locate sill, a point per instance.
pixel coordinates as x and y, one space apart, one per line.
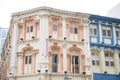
24 41
69 41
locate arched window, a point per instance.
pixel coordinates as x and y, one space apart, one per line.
55 59
75 60
95 58
28 61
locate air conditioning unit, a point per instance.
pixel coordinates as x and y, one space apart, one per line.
83 40
50 37
21 39
33 37
65 38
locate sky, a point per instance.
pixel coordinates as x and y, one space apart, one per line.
98 7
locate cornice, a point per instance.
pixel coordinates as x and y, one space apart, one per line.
50 11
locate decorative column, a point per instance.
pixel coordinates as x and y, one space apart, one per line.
64 28
85 23
43 35
64 57
100 31
102 60
116 61
14 45
114 33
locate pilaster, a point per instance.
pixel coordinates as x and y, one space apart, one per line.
64 57
102 60
64 28
14 45
116 61
43 36
100 30
114 33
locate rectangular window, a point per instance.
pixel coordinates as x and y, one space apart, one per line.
111 63
106 32
106 55
117 34
54 62
55 24
93 30
107 63
93 62
97 62
29 29
109 55
73 27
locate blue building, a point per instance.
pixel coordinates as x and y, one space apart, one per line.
105 44
3 33
97 76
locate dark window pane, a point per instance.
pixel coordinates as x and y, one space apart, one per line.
54 58
111 63
111 55
26 59
93 62
109 33
76 59
75 30
117 33
97 62
30 59
31 29
106 63
93 54
104 32
106 55
95 31
54 68
76 69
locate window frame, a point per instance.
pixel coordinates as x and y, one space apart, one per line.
117 30
93 30
106 31
74 28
